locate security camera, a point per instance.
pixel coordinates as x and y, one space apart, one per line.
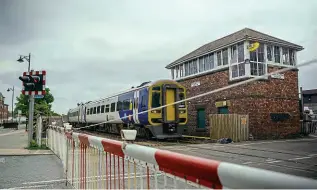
128 135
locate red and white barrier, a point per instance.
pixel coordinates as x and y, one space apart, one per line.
94 162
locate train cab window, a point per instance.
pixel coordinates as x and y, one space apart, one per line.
156 88
107 108
98 110
95 110
103 109
113 107
156 96
181 97
119 106
91 111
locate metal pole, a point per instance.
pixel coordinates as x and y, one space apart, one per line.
12 103
31 109
302 101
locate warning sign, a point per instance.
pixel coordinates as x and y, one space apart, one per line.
243 121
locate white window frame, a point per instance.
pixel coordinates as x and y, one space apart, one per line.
259 63
237 63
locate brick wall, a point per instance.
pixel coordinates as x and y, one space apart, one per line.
3 111
258 99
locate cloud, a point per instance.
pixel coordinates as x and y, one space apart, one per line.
94 48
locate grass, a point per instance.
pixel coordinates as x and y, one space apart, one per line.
34 146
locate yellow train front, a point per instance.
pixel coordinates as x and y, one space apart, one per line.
169 121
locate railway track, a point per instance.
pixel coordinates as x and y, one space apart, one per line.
145 142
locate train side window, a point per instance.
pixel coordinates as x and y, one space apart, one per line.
143 104
98 110
126 105
103 109
95 110
119 106
88 111
107 108
113 107
156 96
91 111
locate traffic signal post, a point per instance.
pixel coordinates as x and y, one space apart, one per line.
33 83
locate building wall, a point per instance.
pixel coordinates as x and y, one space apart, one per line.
4 114
257 99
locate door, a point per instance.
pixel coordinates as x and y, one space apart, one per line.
201 123
170 98
223 110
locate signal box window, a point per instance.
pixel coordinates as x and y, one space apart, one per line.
156 99
98 109
107 108
113 107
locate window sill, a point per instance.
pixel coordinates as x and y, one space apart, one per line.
217 69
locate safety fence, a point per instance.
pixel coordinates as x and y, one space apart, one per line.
92 162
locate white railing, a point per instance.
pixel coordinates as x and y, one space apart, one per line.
98 163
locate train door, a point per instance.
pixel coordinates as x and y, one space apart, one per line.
170 110
135 106
170 95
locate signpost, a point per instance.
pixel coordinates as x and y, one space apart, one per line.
33 84
38 96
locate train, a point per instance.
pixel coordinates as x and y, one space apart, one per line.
130 110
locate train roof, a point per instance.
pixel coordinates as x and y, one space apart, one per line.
141 86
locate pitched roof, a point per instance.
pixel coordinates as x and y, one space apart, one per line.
244 34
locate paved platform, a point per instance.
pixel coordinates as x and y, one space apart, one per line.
296 157
21 168
31 172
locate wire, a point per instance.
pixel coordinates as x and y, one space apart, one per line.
213 91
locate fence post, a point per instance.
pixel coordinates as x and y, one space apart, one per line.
66 162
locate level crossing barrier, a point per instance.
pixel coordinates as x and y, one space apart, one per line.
92 162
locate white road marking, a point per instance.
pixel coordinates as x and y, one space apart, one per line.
300 158
11 133
247 163
280 141
275 161
23 187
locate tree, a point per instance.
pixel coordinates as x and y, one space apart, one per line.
42 106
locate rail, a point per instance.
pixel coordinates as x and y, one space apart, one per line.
92 162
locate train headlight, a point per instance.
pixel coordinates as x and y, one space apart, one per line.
155 111
182 111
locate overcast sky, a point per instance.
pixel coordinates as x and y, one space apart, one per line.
94 48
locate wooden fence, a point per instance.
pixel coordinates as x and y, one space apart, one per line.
232 126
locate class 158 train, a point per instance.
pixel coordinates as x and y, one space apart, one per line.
130 110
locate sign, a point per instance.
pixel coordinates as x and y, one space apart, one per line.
243 121
195 84
277 76
38 96
254 46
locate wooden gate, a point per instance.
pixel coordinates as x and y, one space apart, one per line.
232 126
